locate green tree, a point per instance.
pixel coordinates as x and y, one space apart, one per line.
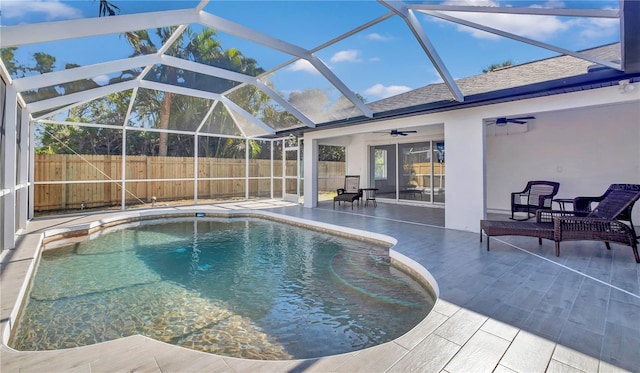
331 153
497 66
158 109
163 109
13 66
142 45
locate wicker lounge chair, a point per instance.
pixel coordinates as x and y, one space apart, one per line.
599 225
541 228
351 191
586 203
536 195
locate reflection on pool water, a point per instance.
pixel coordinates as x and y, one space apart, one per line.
241 287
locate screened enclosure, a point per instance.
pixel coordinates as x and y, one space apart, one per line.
122 104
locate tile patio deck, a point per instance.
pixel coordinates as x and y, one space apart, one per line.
517 308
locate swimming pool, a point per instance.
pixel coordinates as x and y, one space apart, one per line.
240 287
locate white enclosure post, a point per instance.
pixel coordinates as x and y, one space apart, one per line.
123 195
23 172
284 168
9 213
246 169
195 169
272 168
32 170
310 173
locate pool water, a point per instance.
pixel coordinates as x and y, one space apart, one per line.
240 287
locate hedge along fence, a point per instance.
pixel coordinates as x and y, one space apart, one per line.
93 179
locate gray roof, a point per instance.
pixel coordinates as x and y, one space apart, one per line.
509 77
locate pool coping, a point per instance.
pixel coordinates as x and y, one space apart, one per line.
85 230
454 337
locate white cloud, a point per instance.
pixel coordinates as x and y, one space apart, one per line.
377 37
554 4
50 10
350 55
101 79
531 26
375 59
381 91
471 2
598 27
304 66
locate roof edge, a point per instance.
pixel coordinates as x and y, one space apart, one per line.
591 80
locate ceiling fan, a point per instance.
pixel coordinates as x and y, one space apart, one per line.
395 133
503 121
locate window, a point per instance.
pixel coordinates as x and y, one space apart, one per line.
380 159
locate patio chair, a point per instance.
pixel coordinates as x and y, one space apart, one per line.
536 195
585 204
351 191
541 228
599 225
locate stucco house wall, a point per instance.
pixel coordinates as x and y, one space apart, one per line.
584 140
584 149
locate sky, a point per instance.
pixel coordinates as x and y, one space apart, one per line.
378 62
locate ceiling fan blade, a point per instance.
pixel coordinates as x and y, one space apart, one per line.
501 121
395 132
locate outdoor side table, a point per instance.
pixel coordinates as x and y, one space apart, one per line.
370 195
562 201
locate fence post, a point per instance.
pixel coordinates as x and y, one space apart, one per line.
113 196
148 174
63 176
106 186
211 182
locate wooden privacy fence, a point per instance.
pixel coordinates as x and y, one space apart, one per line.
419 175
95 179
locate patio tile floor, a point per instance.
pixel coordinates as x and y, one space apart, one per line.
516 308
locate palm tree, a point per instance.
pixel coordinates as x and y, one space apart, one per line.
142 45
107 8
202 47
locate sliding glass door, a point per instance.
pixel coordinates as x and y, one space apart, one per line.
414 164
438 172
409 171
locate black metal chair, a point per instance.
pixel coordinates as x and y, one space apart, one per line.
351 191
537 195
